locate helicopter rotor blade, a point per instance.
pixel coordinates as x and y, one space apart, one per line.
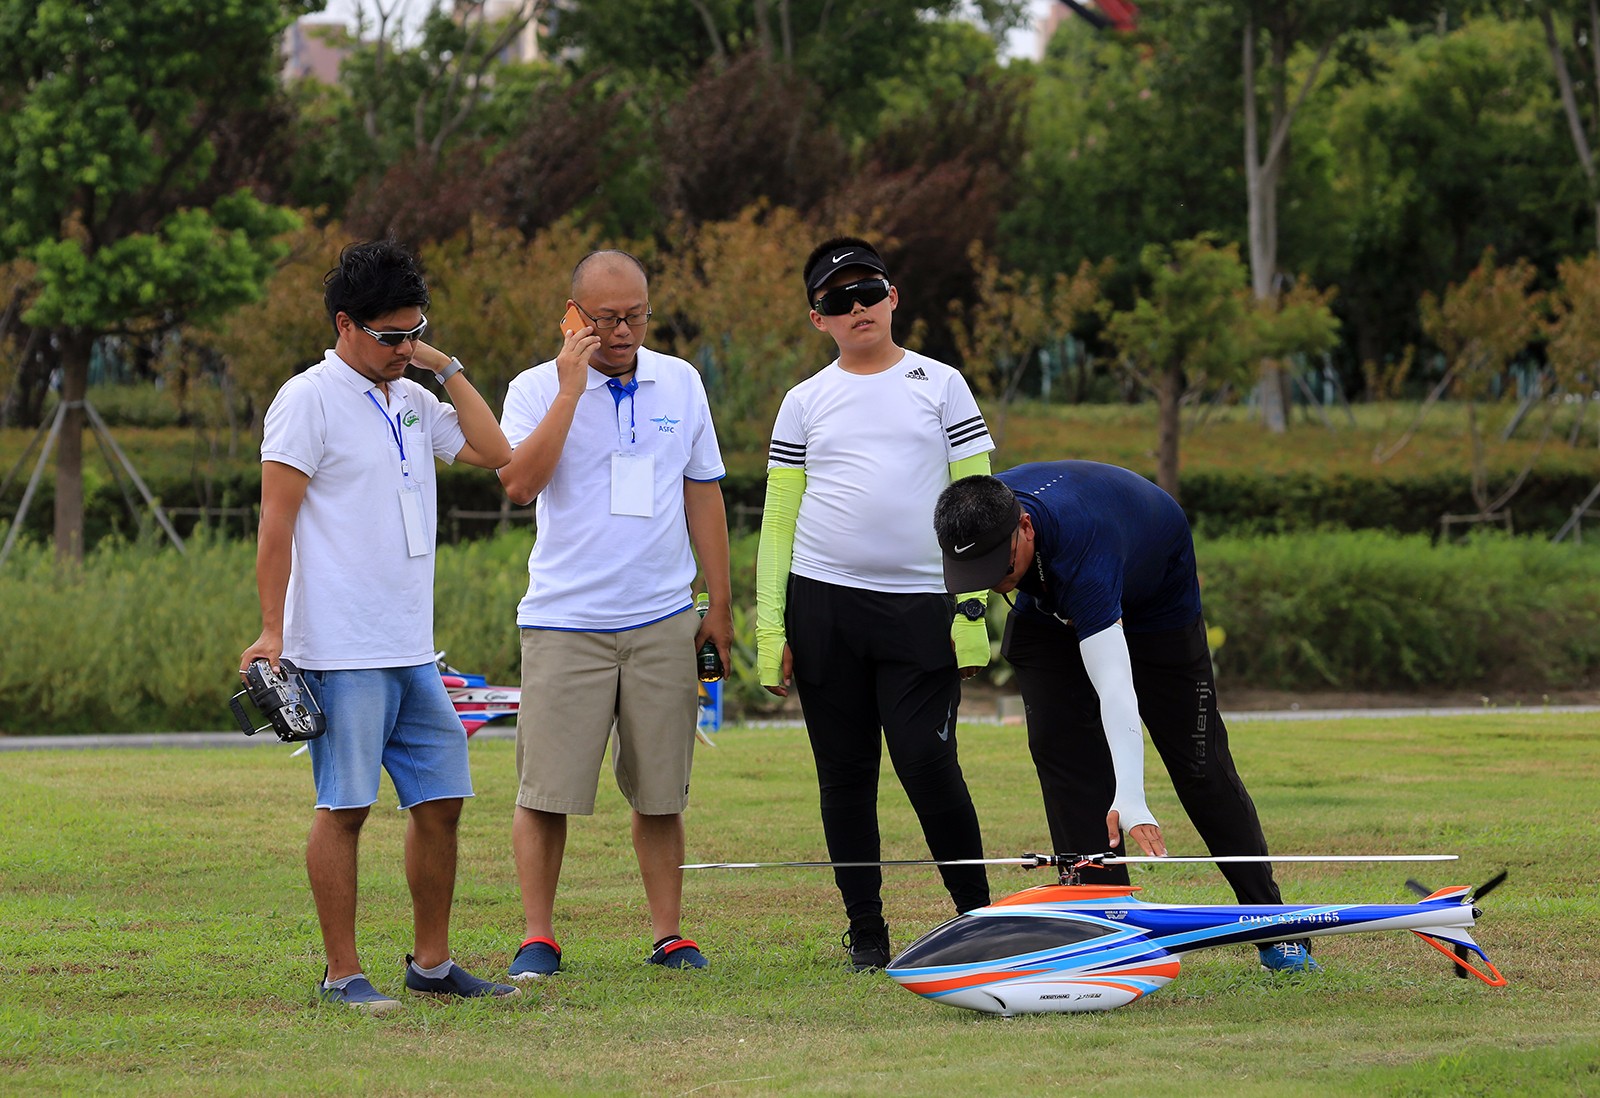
1035 861
1489 886
1418 887
1286 858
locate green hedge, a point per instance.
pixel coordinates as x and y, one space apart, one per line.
1219 503
143 639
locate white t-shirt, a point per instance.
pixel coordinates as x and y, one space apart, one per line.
876 450
591 570
357 598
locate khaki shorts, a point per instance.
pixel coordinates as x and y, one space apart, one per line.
577 687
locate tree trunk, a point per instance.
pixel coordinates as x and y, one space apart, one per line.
1169 394
1261 193
75 348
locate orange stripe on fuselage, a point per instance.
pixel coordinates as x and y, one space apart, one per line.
934 987
1064 894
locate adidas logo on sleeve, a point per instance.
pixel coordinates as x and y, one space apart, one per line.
917 374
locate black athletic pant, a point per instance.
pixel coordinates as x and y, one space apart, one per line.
1177 694
865 661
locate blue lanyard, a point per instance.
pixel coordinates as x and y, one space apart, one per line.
617 393
394 429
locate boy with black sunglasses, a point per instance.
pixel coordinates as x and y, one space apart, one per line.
851 606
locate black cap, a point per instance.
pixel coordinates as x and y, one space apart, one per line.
832 262
978 562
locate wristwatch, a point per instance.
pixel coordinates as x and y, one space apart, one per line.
971 609
452 368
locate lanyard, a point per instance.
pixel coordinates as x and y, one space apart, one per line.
394 429
618 391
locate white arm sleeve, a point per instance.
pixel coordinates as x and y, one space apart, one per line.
1105 657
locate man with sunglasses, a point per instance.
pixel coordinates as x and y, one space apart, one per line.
615 442
344 570
851 608
1106 630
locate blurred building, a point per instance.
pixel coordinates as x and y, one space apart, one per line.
315 47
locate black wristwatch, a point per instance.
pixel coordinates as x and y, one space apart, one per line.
971 609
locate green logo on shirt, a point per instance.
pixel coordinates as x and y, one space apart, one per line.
410 419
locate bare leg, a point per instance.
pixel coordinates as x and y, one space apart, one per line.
331 867
658 844
431 873
538 841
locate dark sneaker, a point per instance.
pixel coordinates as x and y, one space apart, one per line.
358 995
537 957
1287 957
868 943
456 983
678 953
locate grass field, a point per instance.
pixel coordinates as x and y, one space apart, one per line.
159 938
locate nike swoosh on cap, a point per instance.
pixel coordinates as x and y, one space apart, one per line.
838 257
963 548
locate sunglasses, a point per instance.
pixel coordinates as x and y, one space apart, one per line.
869 291
394 339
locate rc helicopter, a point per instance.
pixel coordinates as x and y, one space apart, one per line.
1072 947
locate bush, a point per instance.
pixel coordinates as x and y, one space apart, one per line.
1371 611
143 639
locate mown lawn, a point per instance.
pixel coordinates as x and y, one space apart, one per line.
158 937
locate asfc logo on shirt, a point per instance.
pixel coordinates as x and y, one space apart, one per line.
666 424
410 419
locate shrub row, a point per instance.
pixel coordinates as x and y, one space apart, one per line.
143 639
1219 502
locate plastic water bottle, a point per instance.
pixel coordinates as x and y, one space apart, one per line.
709 661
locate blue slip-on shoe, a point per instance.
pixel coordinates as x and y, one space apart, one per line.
537 957
456 983
678 953
358 995
1287 957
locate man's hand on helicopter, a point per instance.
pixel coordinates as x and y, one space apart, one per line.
1147 835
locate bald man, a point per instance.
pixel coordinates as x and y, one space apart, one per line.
616 444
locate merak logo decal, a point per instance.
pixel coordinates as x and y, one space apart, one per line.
666 424
410 419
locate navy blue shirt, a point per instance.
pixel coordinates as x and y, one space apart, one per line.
1111 545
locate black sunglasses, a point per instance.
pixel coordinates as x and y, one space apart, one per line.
869 291
394 339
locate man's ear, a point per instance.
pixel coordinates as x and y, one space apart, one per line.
817 321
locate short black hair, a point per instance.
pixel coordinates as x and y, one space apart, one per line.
828 247
373 277
970 507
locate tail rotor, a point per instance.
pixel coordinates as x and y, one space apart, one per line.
1473 897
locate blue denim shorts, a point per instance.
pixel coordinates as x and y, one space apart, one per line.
399 718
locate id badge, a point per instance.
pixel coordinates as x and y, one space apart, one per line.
418 543
633 484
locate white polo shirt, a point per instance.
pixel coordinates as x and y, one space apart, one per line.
591 570
356 597
876 450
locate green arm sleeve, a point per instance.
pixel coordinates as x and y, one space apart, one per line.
784 489
975 466
970 638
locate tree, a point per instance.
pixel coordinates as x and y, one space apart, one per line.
1481 325
1275 29
415 114
1576 26
1200 327
848 50
1460 147
1124 144
728 297
1010 318
106 142
1189 332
